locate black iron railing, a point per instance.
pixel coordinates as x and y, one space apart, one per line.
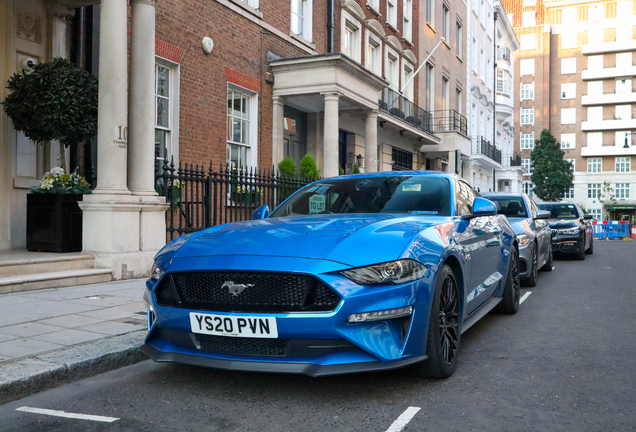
482 146
449 120
509 160
201 197
402 108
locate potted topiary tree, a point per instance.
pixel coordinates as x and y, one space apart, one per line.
56 101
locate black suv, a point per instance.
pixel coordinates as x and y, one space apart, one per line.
571 229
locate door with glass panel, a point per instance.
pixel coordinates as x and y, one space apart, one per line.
295 134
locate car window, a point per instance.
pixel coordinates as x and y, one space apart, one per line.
420 195
510 206
533 207
561 210
465 195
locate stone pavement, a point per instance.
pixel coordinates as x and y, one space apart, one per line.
54 336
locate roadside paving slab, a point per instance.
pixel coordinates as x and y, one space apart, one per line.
52 337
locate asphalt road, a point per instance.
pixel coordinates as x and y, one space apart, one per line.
565 362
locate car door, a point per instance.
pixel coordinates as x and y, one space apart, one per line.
542 230
480 240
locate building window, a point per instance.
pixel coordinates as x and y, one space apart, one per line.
392 69
526 67
475 59
621 190
623 112
527 3
528 19
568 15
351 38
301 14
430 87
407 28
595 62
373 57
568 141
568 40
527 165
241 128
446 23
252 3
527 116
624 9
572 163
374 4
568 65
407 76
595 139
594 165
430 12
623 164
526 41
595 113
458 39
568 115
527 91
568 90
445 93
166 109
594 88
401 160
569 194
458 100
593 190
624 34
623 86
624 60
391 14
596 213
527 141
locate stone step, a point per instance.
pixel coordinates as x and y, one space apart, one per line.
31 282
20 263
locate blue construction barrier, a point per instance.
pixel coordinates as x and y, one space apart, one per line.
611 230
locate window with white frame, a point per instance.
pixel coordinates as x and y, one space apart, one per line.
527 165
595 12
241 127
482 63
568 65
623 112
593 190
623 86
596 213
568 141
528 19
569 194
568 115
392 68
568 15
621 191
623 164
301 17
351 35
430 87
446 22
373 57
407 26
252 3
568 91
624 34
166 109
624 9
595 139
527 3
527 116
594 88
445 91
595 36
391 14
459 39
526 67
527 91
624 60
526 41
594 165
527 141
568 40
475 56
595 62
621 138
572 163
407 75
595 113
374 4
458 100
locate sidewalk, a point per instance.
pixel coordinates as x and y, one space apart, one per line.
55 336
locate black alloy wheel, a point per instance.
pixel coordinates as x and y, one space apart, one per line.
510 302
449 320
582 244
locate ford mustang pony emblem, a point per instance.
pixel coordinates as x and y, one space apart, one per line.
235 289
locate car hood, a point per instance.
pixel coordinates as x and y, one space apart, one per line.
352 239
563 223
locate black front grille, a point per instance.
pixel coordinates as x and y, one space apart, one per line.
241 346
260 292
554 233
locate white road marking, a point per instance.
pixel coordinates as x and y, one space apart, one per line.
67 414
403 419
524 297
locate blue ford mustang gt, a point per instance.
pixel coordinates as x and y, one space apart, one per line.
349 274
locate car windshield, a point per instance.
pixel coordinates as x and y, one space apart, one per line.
560 211
421 195
509 206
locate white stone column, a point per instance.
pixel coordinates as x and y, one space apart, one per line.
371 142
141 142
330 136
278 129
112 112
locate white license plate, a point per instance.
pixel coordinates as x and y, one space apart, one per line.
234 326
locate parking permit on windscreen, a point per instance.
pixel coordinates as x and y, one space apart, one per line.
413 187
317 204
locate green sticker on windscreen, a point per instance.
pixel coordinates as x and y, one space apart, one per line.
317 204
413 187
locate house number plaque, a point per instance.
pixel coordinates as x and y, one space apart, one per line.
122 141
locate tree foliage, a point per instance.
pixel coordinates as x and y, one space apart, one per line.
308 167
552 176
56 101
287 167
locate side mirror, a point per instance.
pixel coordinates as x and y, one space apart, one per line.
261 213
482 207
588 216
543 214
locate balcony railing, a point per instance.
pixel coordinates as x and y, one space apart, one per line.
449 120
503 53
511 160
481 146
402 108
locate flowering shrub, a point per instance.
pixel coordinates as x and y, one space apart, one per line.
59 182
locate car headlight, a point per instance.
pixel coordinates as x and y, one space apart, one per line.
156 271
394 272
523 240
569 231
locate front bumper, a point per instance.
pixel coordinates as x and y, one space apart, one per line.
376 345
567 244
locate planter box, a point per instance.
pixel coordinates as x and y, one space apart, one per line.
54 222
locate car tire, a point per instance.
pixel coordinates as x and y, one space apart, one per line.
549 265
531 281
581 255
444 329
590 251
510 303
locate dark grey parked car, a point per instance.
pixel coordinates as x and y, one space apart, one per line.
532 229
